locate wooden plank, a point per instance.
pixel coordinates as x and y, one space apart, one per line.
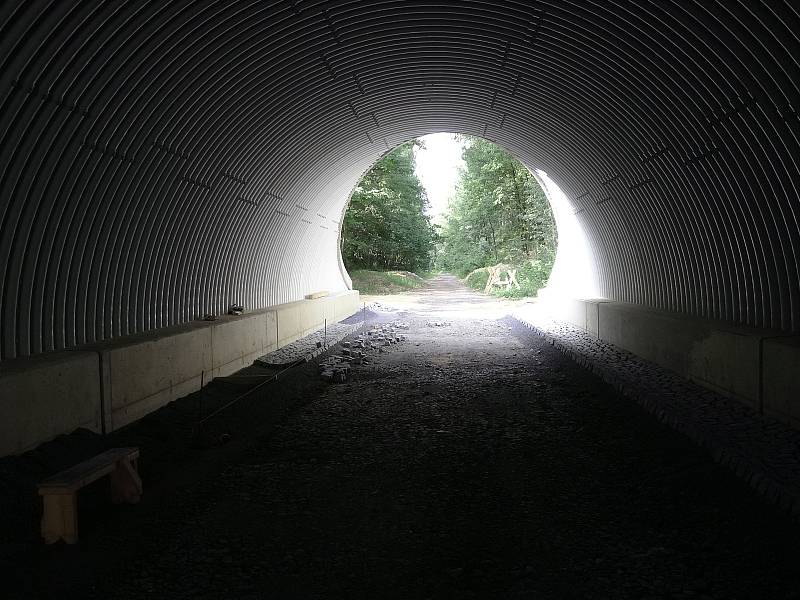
315 295
84 473
60 518
126 485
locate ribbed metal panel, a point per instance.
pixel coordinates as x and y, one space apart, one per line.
160 160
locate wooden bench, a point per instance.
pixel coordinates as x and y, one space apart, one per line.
59 492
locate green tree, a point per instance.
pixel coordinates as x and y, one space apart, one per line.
499 213
385 226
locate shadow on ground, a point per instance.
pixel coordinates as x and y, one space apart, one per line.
472 461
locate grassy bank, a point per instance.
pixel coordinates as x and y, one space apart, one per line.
384 282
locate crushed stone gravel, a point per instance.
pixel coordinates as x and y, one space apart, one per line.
474 461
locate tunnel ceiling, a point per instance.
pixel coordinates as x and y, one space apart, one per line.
161 160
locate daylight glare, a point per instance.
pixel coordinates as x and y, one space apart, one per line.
437 167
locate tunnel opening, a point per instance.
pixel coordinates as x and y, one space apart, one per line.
452 202
387 236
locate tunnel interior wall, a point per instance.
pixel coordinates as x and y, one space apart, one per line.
755 366
160 161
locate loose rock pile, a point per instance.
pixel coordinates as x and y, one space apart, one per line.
377 306
384 335
310 346
438 323
336 369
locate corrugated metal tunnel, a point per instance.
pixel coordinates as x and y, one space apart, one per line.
161 160
632 432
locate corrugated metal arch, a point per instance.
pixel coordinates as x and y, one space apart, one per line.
160 160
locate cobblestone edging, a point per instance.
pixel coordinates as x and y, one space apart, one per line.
760 450
310 346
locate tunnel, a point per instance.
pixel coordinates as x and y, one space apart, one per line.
164 161
174 178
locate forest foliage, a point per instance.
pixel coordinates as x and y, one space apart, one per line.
386 226
499 214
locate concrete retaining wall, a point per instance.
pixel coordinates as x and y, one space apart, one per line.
755 366
781 377
143 373
298 319
47 395
50 394
237 341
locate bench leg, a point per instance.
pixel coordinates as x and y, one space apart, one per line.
126 486
60 518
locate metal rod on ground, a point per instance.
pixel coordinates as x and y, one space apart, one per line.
249 392
203 419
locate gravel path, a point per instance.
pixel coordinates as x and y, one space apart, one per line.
472 461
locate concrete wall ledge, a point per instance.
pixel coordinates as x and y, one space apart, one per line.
755 366
298 319
107 385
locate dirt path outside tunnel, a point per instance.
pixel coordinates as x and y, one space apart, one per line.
472 461
446 297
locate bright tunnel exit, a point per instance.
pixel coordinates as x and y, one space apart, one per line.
574 273
490 217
